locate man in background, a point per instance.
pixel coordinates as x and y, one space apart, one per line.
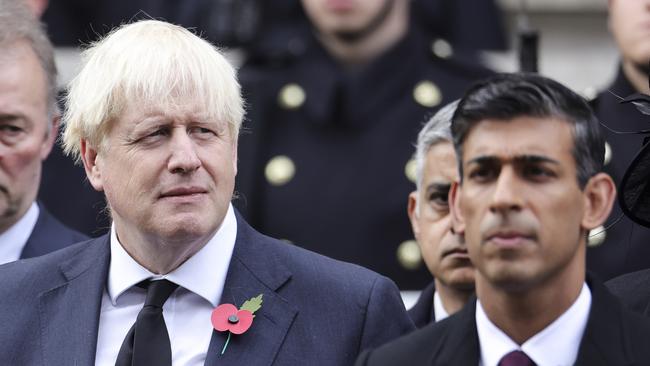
326 162
443 250
29 120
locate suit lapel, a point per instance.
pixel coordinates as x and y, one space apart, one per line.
69 312
254 269
605 341
461 346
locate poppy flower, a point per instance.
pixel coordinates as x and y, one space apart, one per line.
226 317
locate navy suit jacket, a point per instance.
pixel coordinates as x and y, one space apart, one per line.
49 234
316 311
613 336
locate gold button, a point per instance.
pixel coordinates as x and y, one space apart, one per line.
442 48
596 236
427 94
410 170
279 170
608 153
291 96
590 93
408 255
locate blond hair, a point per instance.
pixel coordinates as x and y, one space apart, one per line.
151 63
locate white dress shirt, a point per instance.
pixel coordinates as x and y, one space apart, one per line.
438 309
555 345
13 240
187 311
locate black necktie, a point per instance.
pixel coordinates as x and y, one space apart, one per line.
516 358
147 342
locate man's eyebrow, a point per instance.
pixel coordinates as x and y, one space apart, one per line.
6 117
484 160
438 187
534 159
519 159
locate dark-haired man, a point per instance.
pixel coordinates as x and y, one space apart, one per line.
530 156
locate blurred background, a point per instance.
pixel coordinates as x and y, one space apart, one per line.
575 46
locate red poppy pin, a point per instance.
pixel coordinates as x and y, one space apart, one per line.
226 317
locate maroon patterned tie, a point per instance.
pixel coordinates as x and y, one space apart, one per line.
516 358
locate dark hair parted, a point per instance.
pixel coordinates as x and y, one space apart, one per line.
506 96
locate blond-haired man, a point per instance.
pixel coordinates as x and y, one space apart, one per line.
154 115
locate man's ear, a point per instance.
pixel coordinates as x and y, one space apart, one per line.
457 220
90 159
413 214
50 138
599 194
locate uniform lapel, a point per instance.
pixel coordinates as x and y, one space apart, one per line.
254 269
69 312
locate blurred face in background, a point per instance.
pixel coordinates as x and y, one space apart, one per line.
444 251
25 139
348 19
629 22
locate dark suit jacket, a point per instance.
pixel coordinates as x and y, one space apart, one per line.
316 311
49 234
613 336
633 289
423 312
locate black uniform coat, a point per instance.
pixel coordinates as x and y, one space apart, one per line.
349 141
613 336
627 245
423 312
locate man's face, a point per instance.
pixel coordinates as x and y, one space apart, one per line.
24 138
444 252
519 203
629 22
167 173
346 18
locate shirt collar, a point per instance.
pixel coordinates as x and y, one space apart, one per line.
438 308
211 262
13 241
562 336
